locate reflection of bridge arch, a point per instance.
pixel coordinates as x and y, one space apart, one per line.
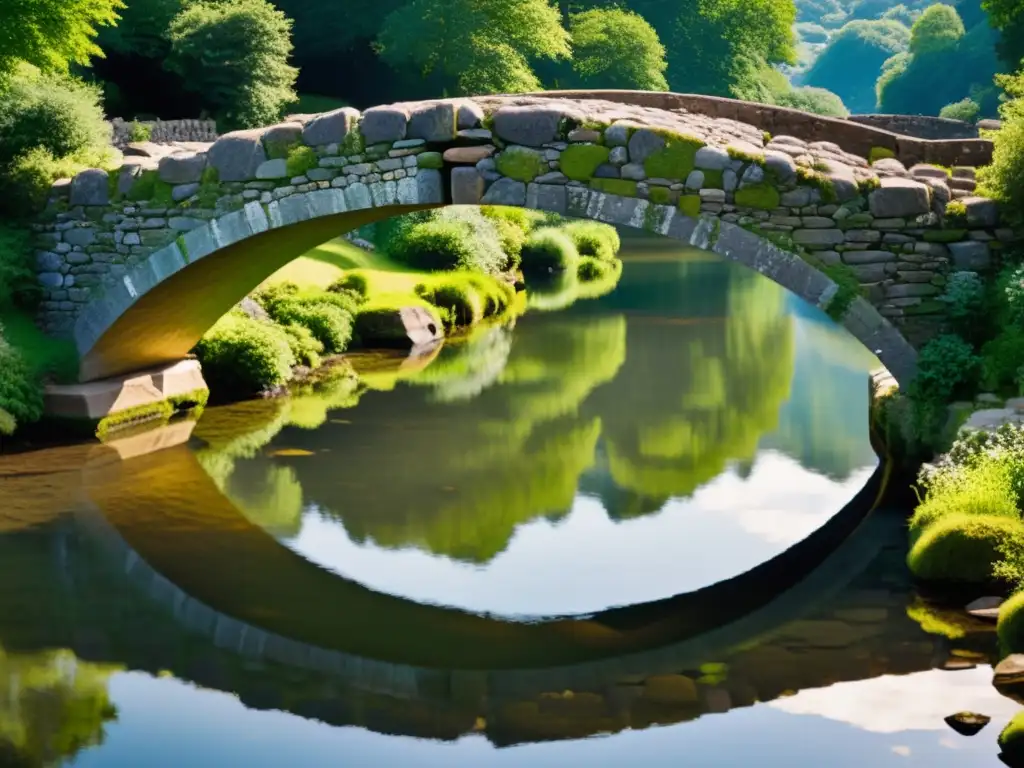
803 640
216 556
161 308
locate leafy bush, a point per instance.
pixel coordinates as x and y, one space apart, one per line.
236 55
615 48
592 238
590 268
1002 360
946 368
18 284
459 237
241 356
49 111
21 393
548 250
329 323
467 297
1011 638
139 132
353 283
964 297
984 488
818 101
963 548
1003 179
965 109
305 347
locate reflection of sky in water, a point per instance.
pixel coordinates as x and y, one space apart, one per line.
729 526
827 728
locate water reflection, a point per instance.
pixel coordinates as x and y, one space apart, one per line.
527 454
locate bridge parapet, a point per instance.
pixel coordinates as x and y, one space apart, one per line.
893 233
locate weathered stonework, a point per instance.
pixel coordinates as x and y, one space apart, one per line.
806 214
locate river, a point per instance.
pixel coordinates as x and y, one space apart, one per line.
648 528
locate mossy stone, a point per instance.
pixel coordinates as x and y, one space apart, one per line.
676 160
580 161
690 205
660 195
521 163
764 197
431 160
622 187
944 235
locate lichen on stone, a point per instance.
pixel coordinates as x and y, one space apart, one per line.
579 161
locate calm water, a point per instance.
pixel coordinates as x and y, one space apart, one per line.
529 547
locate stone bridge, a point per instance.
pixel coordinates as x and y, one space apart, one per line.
138 263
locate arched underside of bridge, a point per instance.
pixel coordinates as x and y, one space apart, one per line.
173 517
161 308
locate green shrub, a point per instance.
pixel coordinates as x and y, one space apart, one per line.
353 283
457 237
53 112
300 160
1011 738
138 132
985 488
946 368
18 284
435 245
1011 285
242 356
21 391
329 323
1002 360
964 298
593 238
963 548
1011 633
548 250
464 305
512 239
965 109
1003 179
305 347
523 218
7 423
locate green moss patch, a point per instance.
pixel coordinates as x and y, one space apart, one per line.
713 179
676 160
660 195
432 160
148 186
944 235
621 187
690 205
301 159
521 163
880 153
764 197
580 161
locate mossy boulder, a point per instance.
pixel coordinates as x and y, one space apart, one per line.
690 205
1011 741
676 159
580 161
1011 624
962 548
521 163
621 187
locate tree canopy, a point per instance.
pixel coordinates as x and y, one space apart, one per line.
613 48
52 34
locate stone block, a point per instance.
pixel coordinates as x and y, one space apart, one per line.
182 167
273 169
383 124
970 255
330 127
820 237
432 121
469 116
712 159
183 192
903 290
468 155
429 186
863 236
981 212
90 187
897 197
506 192
81 236
869 273
868 257
237 155
546 197
282 135
529 126
781 165
633 171
467 186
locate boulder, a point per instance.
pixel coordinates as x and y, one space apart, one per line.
432 121
467 186
898 197
506 192
711 159
889 166
923 170
985 608
470 115
617 134
404 327
383 125
981 212
781 164
330 127
1008 677
90 187
644 143
587 135
529 126
237 155
282 134
182 168
273 169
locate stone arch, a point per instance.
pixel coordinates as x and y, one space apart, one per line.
157 311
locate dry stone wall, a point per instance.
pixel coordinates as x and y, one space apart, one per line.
163 131
898 232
